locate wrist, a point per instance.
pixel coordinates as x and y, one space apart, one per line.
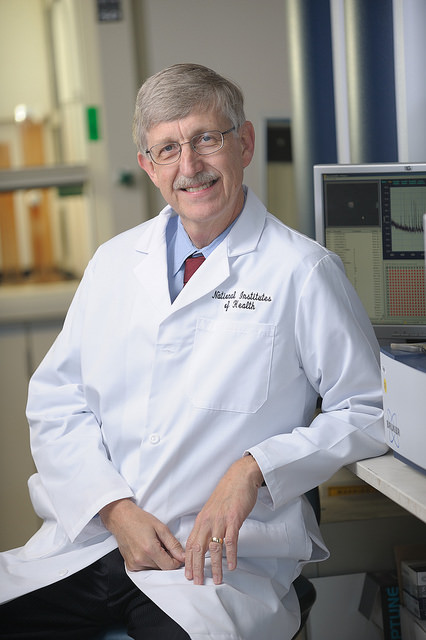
255 471
114 512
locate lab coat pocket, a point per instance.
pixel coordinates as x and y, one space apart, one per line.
230 365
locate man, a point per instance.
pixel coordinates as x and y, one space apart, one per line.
172 418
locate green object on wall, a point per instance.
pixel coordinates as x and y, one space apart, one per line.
93 123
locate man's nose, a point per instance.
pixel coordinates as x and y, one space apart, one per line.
190 160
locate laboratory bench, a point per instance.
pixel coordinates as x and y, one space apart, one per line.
35 301
400 482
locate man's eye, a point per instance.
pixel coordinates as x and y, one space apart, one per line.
168 148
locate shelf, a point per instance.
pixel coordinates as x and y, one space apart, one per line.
33 302
396 480
43 177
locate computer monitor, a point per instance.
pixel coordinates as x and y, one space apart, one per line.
371 215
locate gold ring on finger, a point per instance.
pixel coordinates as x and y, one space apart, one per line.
218 540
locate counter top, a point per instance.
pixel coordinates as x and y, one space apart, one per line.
396 480
35 301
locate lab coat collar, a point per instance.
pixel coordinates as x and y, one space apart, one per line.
245 235
152 269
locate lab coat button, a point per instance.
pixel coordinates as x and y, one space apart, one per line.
62 573
154 438
168 349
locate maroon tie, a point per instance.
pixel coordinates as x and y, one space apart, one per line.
191 265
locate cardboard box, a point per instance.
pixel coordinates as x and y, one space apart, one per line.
409 553
404 403
411 627
380 602
417 606
413 576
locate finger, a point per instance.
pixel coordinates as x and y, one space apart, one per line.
216 556
162 556
188 564
131 565
231 544
151 553
172 545
198 559
165 561
136 560
152 556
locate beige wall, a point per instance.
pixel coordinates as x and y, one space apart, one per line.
242 39
23 68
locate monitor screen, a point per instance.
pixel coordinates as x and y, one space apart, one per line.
372 217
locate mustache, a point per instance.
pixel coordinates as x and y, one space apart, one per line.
202 177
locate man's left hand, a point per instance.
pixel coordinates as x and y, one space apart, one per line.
222 517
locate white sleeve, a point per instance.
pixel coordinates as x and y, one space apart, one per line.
65 432
340 358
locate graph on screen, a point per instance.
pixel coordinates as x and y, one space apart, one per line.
407 209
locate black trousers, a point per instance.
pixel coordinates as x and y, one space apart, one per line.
85 604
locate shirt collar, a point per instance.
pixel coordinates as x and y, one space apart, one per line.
180 246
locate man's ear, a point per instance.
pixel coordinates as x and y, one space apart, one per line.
147 165
247 142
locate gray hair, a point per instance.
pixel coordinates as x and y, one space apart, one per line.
172 94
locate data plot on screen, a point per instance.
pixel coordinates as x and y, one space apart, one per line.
407 209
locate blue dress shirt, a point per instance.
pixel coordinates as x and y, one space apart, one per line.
180 247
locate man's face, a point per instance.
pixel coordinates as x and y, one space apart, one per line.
206 191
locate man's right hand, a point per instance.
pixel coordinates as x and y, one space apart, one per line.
143 541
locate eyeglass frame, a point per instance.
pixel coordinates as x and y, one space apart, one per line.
222 133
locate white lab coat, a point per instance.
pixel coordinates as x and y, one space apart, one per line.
142 398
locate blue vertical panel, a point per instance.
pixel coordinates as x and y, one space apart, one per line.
320 76
313 119
371 80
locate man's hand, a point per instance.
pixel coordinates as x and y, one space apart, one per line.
222 517
144 541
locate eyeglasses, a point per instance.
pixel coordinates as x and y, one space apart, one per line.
203 143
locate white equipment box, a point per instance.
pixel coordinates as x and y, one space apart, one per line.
404 403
